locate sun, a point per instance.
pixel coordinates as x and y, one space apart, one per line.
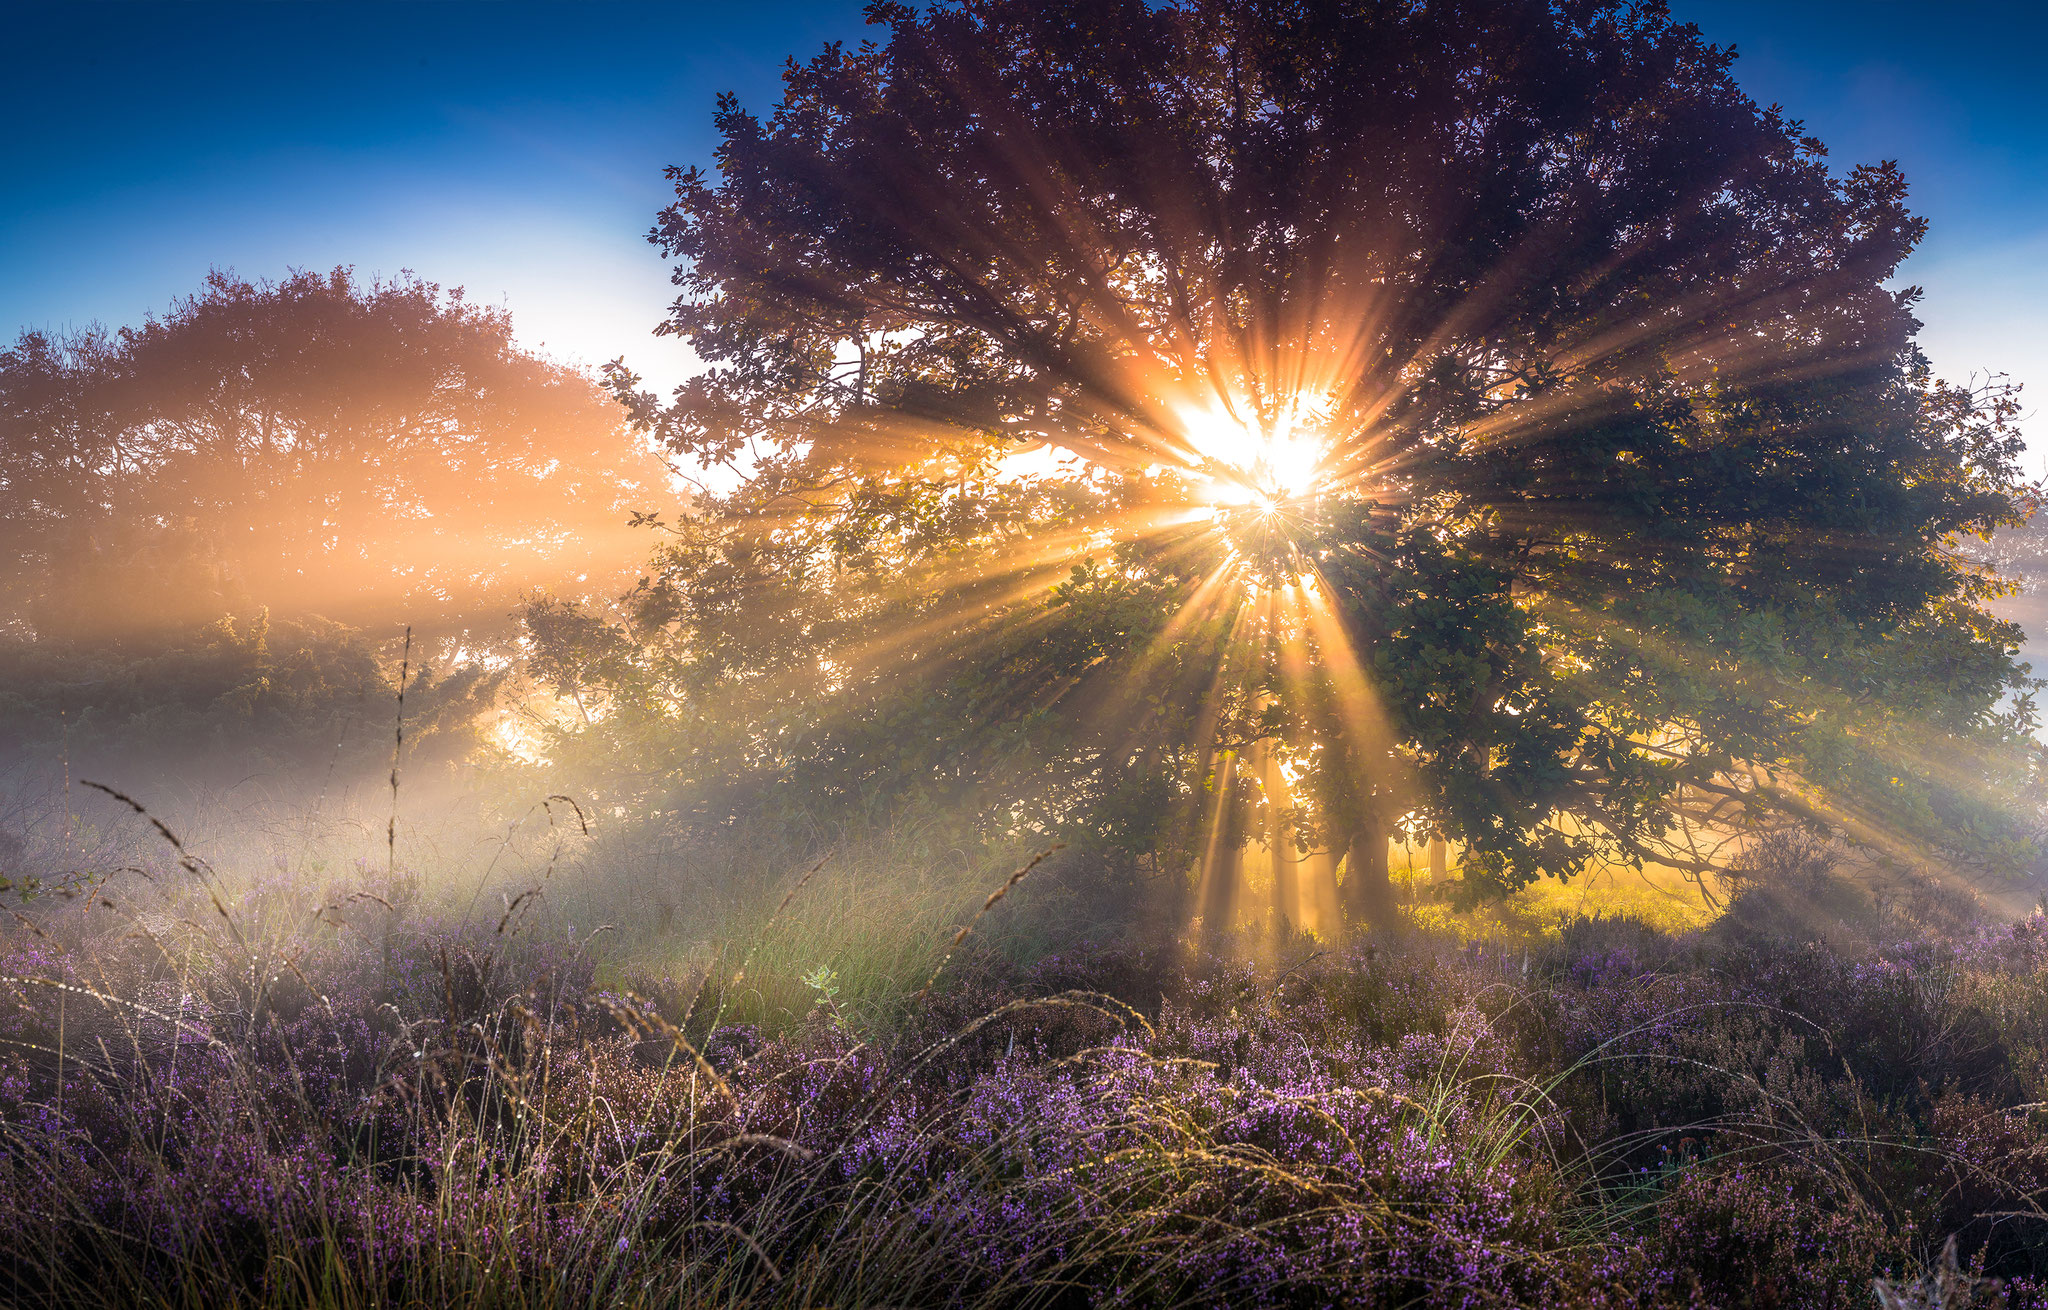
1235 465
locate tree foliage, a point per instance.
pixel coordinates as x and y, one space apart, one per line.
1632 514
371 453
308 701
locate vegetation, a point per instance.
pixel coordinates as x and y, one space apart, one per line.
385 1103
1153 463
1210 424
293 702
220 525
311 447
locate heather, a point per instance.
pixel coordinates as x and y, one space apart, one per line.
211 1096
1250 654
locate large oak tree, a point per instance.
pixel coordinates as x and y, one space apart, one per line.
1478 416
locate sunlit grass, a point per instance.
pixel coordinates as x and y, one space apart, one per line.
1662 898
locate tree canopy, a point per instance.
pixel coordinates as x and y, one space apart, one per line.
377 452
1239 420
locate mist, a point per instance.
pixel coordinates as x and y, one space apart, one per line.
1218 653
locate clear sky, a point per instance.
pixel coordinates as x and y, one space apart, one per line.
516 149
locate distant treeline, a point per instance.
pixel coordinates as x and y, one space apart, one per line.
220 522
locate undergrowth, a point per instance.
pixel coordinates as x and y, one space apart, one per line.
353 1089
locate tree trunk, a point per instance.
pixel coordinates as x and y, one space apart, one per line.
1223 861
1368 890
1439 860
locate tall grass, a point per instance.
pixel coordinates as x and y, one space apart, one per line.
534 1069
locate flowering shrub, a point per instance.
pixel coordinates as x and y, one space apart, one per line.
452 1116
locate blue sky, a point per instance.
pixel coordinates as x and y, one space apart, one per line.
516 149
513 149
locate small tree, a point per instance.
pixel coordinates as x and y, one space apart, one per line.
1478 418
376 453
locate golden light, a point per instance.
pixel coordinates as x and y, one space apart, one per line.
518 739
1239 465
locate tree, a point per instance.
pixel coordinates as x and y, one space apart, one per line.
193 713
371 453
1460 417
